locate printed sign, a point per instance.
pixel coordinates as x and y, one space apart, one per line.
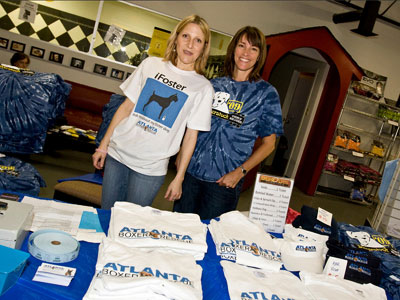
114 35
270 201
27 11
335 267
158 43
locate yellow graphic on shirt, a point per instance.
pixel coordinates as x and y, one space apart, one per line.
234 106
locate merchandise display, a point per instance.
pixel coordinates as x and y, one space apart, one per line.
29 105
108 112
366 137
131 273
239 239
141 259
148 228
19 176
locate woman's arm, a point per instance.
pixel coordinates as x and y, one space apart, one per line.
232 178
123 111
174 190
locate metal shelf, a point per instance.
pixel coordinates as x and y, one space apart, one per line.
366 155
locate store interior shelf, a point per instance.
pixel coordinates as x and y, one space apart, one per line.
358 154
369 100
360 130
340 195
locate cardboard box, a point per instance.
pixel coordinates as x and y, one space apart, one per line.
12 262
14 223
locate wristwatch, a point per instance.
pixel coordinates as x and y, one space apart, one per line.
244 171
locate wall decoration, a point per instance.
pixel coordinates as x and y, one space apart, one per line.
28 11
37 52
158 43
114 35
118 74
3 43
66 35
99 69
16 46
77 63
56 57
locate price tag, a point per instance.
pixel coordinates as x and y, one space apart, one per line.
358 154
270 201
335 267
393 123
324 216
345 177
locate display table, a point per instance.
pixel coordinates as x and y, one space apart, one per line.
213 281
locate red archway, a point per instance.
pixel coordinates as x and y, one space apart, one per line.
343 69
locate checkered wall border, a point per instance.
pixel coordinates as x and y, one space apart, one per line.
71 31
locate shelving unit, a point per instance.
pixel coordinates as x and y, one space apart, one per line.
359 116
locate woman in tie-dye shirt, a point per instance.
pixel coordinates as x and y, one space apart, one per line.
244 107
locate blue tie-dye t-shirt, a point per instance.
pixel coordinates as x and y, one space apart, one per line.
242 111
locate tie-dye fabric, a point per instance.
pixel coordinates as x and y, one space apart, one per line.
242 111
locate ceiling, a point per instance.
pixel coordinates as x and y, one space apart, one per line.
389 9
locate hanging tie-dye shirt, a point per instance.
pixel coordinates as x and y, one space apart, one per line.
242 111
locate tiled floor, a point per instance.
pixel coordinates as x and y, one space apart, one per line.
69 163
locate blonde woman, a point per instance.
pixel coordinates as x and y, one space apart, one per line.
167 100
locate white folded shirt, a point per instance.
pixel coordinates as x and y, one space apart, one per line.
250 283
324 287
124 272
239 239
146 227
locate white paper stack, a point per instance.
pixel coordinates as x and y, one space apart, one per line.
148 228
129 273
239 239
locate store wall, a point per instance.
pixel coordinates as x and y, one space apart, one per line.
379 54
84 76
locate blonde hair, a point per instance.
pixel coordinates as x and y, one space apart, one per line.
172 55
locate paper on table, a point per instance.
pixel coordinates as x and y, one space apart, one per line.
54 274
62 216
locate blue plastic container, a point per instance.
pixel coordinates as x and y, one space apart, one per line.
12 262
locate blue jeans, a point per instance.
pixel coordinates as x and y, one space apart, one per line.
121 183
207 199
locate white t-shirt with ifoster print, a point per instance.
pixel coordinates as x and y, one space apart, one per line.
167 100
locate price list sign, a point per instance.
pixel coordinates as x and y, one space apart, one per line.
270 201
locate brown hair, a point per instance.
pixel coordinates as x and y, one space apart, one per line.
172 55
19 56
255 38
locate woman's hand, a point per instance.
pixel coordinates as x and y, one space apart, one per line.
231 179
98 159
174 190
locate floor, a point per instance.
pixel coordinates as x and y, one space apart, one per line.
65 163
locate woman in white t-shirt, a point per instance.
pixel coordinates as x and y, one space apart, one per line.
167 100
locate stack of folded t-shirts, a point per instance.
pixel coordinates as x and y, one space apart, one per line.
326 287
303 250
250 283
149 228
362 266
129 273
239 239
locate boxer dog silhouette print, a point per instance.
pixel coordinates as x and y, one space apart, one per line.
164 102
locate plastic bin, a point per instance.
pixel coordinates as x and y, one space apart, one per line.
12 262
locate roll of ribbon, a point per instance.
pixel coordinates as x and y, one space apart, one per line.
53 246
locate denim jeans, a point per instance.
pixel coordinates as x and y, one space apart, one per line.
121 183
207 199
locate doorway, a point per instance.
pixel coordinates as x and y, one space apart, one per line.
299 80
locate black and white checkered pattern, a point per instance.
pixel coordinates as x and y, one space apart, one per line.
71 31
